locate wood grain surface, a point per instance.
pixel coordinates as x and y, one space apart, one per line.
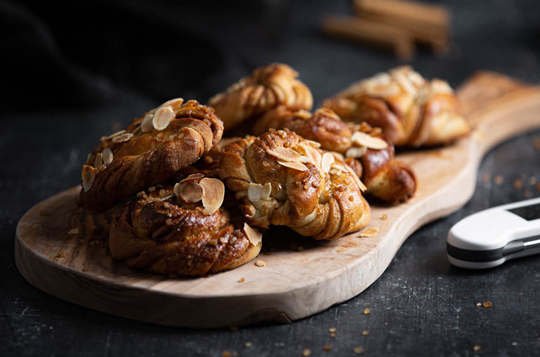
293 284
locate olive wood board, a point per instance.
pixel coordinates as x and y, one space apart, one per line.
293 284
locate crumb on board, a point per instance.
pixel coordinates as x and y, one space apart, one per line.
332 329
241 280
367 311
327 347
478 304
333 334
476 348
518 184
498 180
248 344
358 350
369 232
487 304
365 333
260 263
536 143
306 352
486 177
384 217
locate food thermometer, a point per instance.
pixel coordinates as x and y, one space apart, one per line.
489 238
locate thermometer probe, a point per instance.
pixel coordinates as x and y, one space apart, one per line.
491 237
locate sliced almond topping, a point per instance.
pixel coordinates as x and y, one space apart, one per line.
313 143
258 192
328 113
303 114
88 175
313 154
162 118
193 177
293 165
370 232
214 193
174 103
107 156
368 141
360 184
122 138
356 152
254 236
260 263
285 154
98 161
146 125
190 191
327 161
115 134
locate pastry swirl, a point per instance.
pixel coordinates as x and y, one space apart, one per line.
410 110
165 233
285 180
266 88
151 149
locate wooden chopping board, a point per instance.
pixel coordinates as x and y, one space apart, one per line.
293 284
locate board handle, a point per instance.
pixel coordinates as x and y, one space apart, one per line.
499 107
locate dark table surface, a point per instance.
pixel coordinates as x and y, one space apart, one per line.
76 71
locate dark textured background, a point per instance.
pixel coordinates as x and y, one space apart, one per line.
74 71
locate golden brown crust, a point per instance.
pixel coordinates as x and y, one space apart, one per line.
165 234
266 88
410 110
144 156
385 178
283 179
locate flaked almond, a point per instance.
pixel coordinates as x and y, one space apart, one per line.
214 193
285 154
368 141
146 125
254 236
313 143
356 152
293 165
107 156
122 138
88 175
116 134
189 191
370 232
193 177
303 114
258 192
162 118
73 231
328 113
355 177
327 161
98 162
313 154
173 103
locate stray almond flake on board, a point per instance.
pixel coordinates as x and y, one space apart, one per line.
369 232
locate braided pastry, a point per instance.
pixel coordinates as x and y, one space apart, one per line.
183 230
410 110
266 88
152 149
370 154
285 180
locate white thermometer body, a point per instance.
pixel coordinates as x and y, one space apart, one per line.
491 237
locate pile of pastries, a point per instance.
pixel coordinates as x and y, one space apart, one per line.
192 188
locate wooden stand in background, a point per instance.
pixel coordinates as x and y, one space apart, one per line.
395 25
